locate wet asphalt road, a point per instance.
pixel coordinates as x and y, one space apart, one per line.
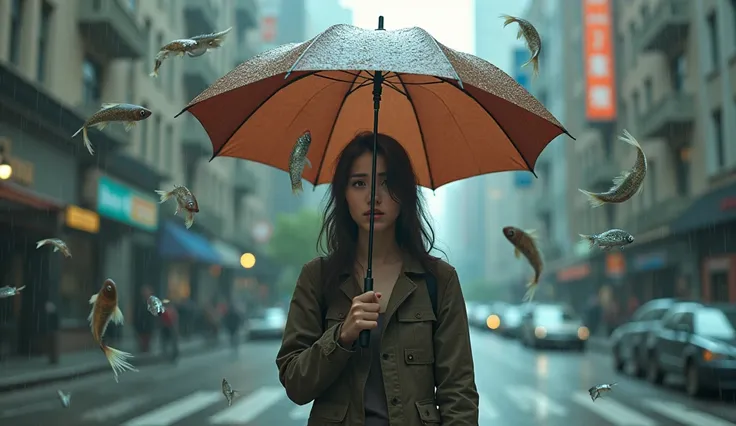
518 386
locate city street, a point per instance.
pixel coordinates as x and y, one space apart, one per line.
518 387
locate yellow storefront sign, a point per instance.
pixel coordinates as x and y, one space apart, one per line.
82 219
143 211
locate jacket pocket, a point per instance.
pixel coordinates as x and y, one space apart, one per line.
428 412
334 315
418 357
329 412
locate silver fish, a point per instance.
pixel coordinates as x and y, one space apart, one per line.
58 244
126 113
229 392
156 305
532 38
627 184
9 291
178 48
298 159
65 398
185 200
610 239
210 41
595 391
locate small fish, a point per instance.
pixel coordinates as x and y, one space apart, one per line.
126 113
184 201
595 391
298 159
9 291
105 309
627 184
156 305
531 36
228 391
65 398
609 239
211 41
58 244
525 242
179 48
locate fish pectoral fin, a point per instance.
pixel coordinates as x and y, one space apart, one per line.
109 105
100 125
56 249
129 125
117 316
93 299
308 163
517 253
618 180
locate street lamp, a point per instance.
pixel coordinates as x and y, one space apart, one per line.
247 260
6 170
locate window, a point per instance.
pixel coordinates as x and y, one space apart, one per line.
733 15
678 69
77 277
718 284
156 157
623 113
131 81
632 43
720 147
713 36
16 22
648 95
159 43
637 108
151 55
682 171
43 41
169 153
653 315
716 323
671 320
132 4
91 73
652 182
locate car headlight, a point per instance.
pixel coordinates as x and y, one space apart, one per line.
583 333
493 321
540 332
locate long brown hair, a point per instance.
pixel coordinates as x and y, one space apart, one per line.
338 237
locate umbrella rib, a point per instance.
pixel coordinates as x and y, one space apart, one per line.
332 129
457 77
280 88
419 125
303 53
500 126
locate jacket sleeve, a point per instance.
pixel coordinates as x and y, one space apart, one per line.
309 360
454 372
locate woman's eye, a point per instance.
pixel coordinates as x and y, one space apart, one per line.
384 183
358 183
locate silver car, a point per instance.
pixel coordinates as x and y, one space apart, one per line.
269 323
553 325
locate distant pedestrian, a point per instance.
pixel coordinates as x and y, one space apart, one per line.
233 321
170 332
143 322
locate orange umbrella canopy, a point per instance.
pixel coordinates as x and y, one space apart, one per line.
456 115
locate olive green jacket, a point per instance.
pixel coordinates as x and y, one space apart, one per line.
314 367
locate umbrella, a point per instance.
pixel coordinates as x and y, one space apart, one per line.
455 114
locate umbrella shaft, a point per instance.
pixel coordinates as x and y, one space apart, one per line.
377 89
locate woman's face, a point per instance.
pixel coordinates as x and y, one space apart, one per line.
358 195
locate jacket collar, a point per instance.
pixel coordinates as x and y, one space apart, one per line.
410 267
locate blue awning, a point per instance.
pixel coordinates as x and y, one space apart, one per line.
179 243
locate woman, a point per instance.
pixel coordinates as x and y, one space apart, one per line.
417 360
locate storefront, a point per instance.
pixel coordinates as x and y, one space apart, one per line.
709 226
574 284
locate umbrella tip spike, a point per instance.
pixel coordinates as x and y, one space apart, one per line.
380 22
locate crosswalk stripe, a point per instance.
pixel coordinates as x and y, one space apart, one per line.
177 410
301 412
527 398
612 411
115 409
487 411
249 407
683 414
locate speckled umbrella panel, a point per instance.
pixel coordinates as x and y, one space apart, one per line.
457 115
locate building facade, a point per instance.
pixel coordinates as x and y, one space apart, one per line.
59 61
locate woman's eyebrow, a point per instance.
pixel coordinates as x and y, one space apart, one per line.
365 175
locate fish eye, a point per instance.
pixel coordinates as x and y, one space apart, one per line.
511 232
142 113
190 204
108 287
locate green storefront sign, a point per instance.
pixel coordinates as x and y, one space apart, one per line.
124 204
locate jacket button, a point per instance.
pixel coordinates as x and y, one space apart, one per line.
384 356
341 315
410 357
395 401
418 315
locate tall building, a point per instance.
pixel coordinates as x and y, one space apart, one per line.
674 88
59 61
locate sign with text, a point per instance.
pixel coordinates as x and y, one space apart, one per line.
124 204
598 57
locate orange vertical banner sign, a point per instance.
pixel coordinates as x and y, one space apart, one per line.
598 57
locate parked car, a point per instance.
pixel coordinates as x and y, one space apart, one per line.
267 324
553 325
510 321
480 315
698 341
628 340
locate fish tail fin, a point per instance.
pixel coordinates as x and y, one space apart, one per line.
590 238
164 195
118 360
508 19
77 132
87 142
629 139
40 243
593 199
535 66
532 288
153 74
297 188
189 221
18 289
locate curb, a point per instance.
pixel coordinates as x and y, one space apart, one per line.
89 370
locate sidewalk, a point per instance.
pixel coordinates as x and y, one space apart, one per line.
19 373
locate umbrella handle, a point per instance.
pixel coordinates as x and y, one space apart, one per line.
364 338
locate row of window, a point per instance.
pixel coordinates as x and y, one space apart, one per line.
17 9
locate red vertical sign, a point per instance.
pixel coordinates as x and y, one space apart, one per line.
598 57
